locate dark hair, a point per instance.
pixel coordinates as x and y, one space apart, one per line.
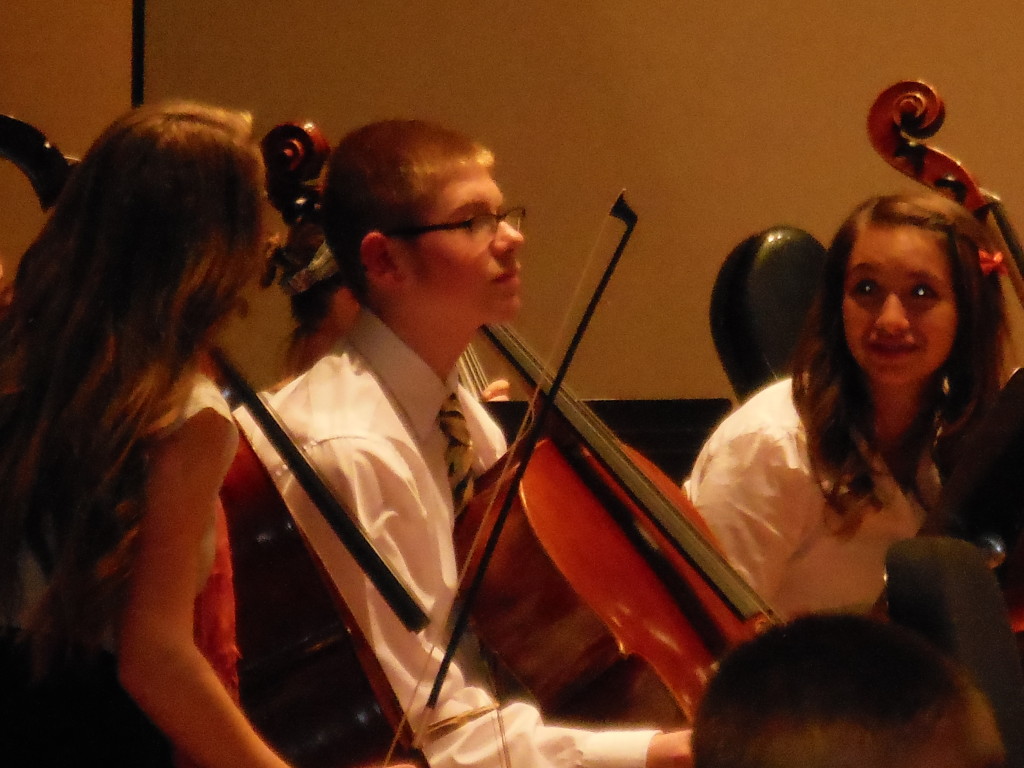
382 177
829 390
826 691
143 257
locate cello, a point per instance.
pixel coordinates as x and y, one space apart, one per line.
716 638
603 593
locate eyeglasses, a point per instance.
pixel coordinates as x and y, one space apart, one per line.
478 226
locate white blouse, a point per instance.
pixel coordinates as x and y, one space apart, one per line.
753 484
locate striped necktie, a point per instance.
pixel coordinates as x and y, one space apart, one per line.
458 454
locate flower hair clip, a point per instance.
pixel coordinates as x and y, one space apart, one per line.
991 262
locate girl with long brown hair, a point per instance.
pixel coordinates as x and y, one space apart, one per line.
113 447
808 483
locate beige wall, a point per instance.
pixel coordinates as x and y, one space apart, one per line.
65 67
718 118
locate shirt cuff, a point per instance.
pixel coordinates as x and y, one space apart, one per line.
616 749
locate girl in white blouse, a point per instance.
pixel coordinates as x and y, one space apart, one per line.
808 483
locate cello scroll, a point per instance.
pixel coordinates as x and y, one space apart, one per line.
294 154
902 117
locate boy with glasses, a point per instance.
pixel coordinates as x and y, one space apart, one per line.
421 235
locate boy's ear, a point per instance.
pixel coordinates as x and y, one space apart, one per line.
378 258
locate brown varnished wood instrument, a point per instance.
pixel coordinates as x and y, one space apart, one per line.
598 585
981 496
309 680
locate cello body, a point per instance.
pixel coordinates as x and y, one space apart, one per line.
546 611
307 678
603 595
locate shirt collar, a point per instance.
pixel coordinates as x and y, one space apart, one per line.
412 383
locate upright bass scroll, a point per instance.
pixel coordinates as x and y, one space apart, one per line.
903 116
901 120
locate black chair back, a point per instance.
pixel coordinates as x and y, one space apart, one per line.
943 588
759 302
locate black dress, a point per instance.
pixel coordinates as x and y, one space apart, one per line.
76 716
